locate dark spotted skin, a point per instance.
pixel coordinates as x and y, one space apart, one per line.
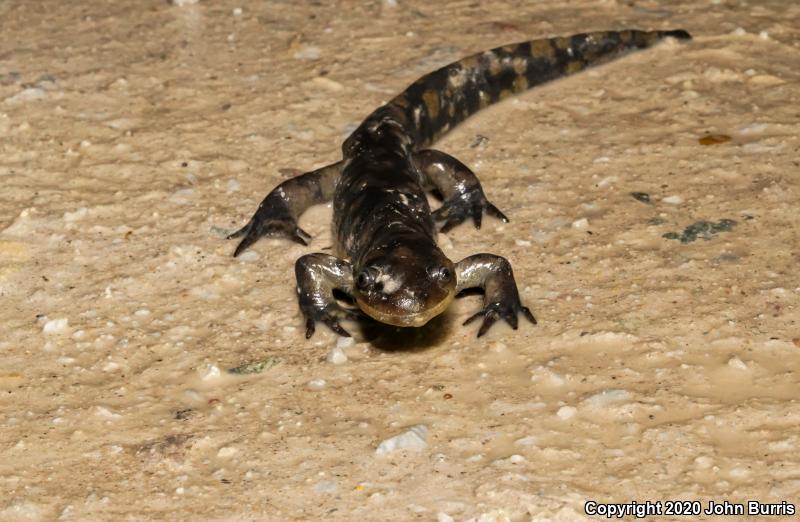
387 258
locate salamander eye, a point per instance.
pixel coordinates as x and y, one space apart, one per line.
365 278
442 273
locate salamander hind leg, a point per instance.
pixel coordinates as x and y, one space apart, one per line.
318 275
463 194
278 213
501 298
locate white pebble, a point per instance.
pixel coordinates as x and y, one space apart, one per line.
735 362
211 372
580 223
237 11
441 516
530 440
337 356
607 397
673 200
75 216
325 486
566 412
345 342
144 312
327 83
754 128
413 439
739 473
606 181
102 411
522 242
29 94
182 196
20 509
227 452
308 52
232 185
55 326
497 515
316 384
249 256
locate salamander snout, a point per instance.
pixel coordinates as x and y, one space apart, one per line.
404 291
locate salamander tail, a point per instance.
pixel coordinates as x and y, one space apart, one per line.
442 99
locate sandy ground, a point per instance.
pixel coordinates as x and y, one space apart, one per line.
134 135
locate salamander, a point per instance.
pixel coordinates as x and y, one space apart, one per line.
386 256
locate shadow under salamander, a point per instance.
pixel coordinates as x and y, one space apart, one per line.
399 339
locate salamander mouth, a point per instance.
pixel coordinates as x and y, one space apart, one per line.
397 319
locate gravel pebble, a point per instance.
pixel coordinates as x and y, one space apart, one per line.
566 412
55 326
413 439
337 356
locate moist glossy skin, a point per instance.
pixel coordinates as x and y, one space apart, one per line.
387 259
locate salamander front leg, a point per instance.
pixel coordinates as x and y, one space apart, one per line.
463 194
278 213
317 277
501 299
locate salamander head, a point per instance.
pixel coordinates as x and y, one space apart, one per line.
400 286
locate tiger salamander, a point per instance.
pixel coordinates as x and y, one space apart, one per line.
384 231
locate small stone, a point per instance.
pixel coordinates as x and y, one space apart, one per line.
608 397
316 384
256 366
497 347
308 52
77 215
735 362
102 411
673 200
580 223
714 139
325 486
55 326
703 462
227 452
413 439
248 257
739 473
211 372
528 441
111 366
345 342
25 95
327 84
566 412
337 356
